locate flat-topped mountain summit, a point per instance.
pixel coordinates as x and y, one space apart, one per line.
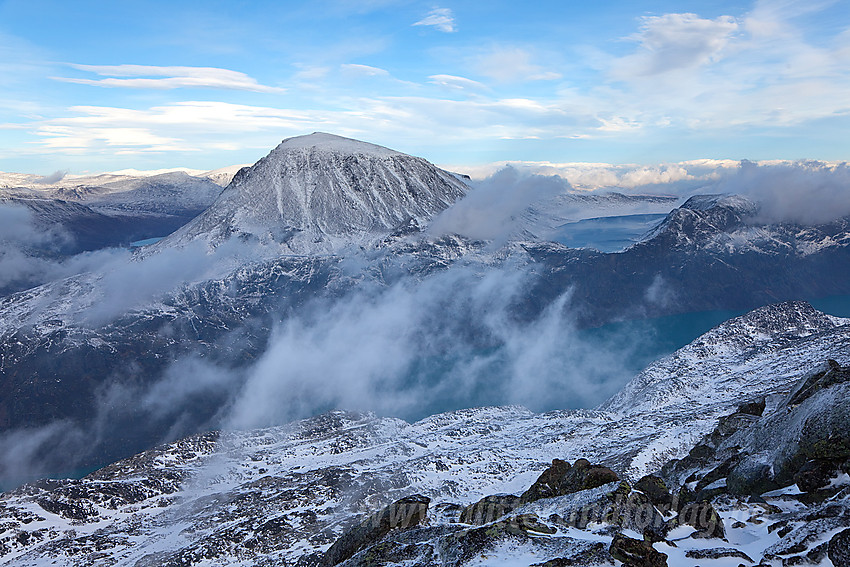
319 192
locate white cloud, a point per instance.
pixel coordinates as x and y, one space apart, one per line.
511 64
364 70
139 77
181 126
440 18
201 125
586 176
677 41
685 73
758 70
311 73
455 82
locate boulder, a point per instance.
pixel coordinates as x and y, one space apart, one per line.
405 513
550 482
815 474
489 509
717 553
561 478
635 553
702 516
750 477
755 407
656 490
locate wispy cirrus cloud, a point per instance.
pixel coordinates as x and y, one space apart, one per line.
168 77
187 126
193 126
677 41
506 64
363 70
441 19
458 83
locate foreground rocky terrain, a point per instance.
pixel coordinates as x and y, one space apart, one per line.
731 451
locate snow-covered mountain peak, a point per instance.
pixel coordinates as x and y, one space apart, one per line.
323 142
320 193
706 202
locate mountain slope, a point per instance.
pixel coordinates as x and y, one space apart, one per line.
66 343
283 495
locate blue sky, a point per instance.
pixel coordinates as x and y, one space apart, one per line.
98 86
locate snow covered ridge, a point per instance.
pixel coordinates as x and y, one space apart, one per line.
735 224
319 193
50 184
284 495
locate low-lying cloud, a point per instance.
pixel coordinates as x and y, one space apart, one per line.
420 345
455 339
494 208
803 192
31 253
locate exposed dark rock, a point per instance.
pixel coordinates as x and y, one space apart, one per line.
839 548
818 554
596 554
656 490
835 374
69 509
549 483
636 553
717 553
719 473
614 504
387 553
730 424
469 543
448 512
402 514
561 478
824 439
755 407
750 477
704 517
805 532
489 509
815 474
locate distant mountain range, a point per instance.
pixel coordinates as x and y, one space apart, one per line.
321 219
323 277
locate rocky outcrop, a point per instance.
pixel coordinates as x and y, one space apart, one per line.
804 440
561 479
636 553
489 509
834 374
839 548
402 514
656 491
